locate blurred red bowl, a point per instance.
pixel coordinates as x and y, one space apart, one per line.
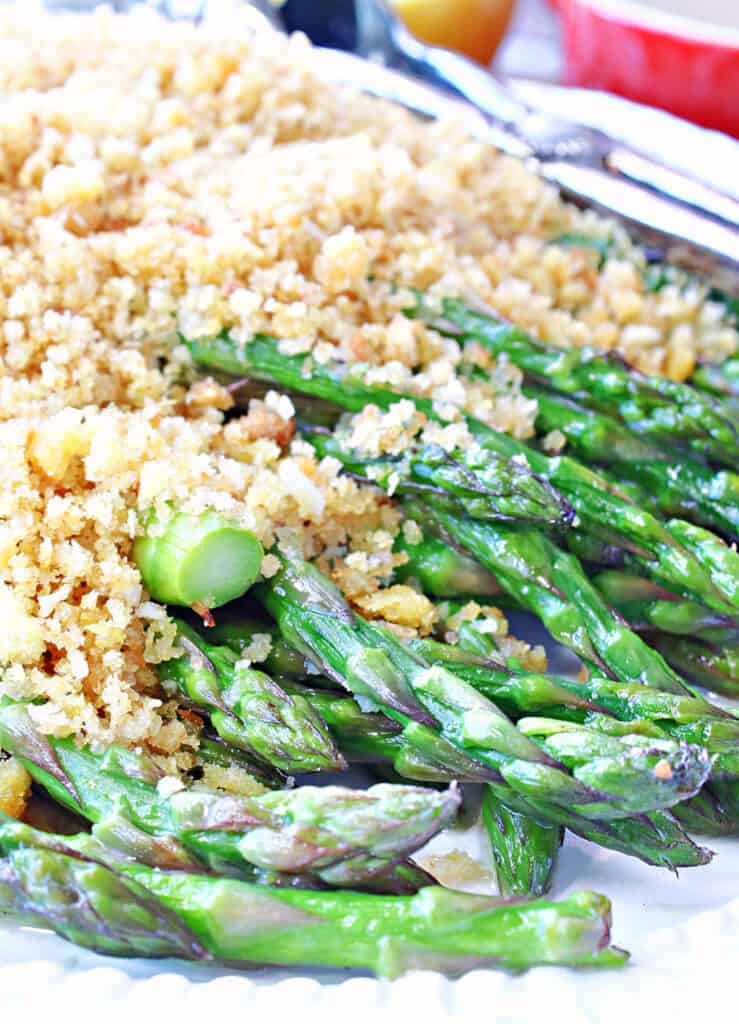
658 53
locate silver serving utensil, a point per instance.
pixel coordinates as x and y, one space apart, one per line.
695 225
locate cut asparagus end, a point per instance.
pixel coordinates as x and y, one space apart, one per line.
204 560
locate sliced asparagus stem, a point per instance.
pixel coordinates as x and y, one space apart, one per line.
204 560
137 911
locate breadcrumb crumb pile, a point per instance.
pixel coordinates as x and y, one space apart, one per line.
158 178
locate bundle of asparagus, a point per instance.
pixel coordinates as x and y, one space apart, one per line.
611 546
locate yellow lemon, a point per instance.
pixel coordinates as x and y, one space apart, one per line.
473 27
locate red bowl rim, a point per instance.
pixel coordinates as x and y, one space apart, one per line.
681 26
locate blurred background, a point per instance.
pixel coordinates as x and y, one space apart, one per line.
522 36
678 55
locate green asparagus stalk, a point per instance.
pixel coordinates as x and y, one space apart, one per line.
599 510
248 709
137 911
677 486
197 560
371 737
715 667
474 482
116 843
655 407
313 617
657 839
646 605
46 881
685 719
720 559
712 812
721 736
720 379
328 835
551 583
524 850
442 571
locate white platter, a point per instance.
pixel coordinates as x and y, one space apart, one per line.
683 932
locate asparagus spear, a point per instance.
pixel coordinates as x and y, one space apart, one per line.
526 692
718 378
313 617
372 737
642 709
442 571
474 658
720 559
714 811
599 510
652 406
320 835
677 486
646 605
714 667
47 882
248 709
524 850
552 584
137 911
473 482
197 560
